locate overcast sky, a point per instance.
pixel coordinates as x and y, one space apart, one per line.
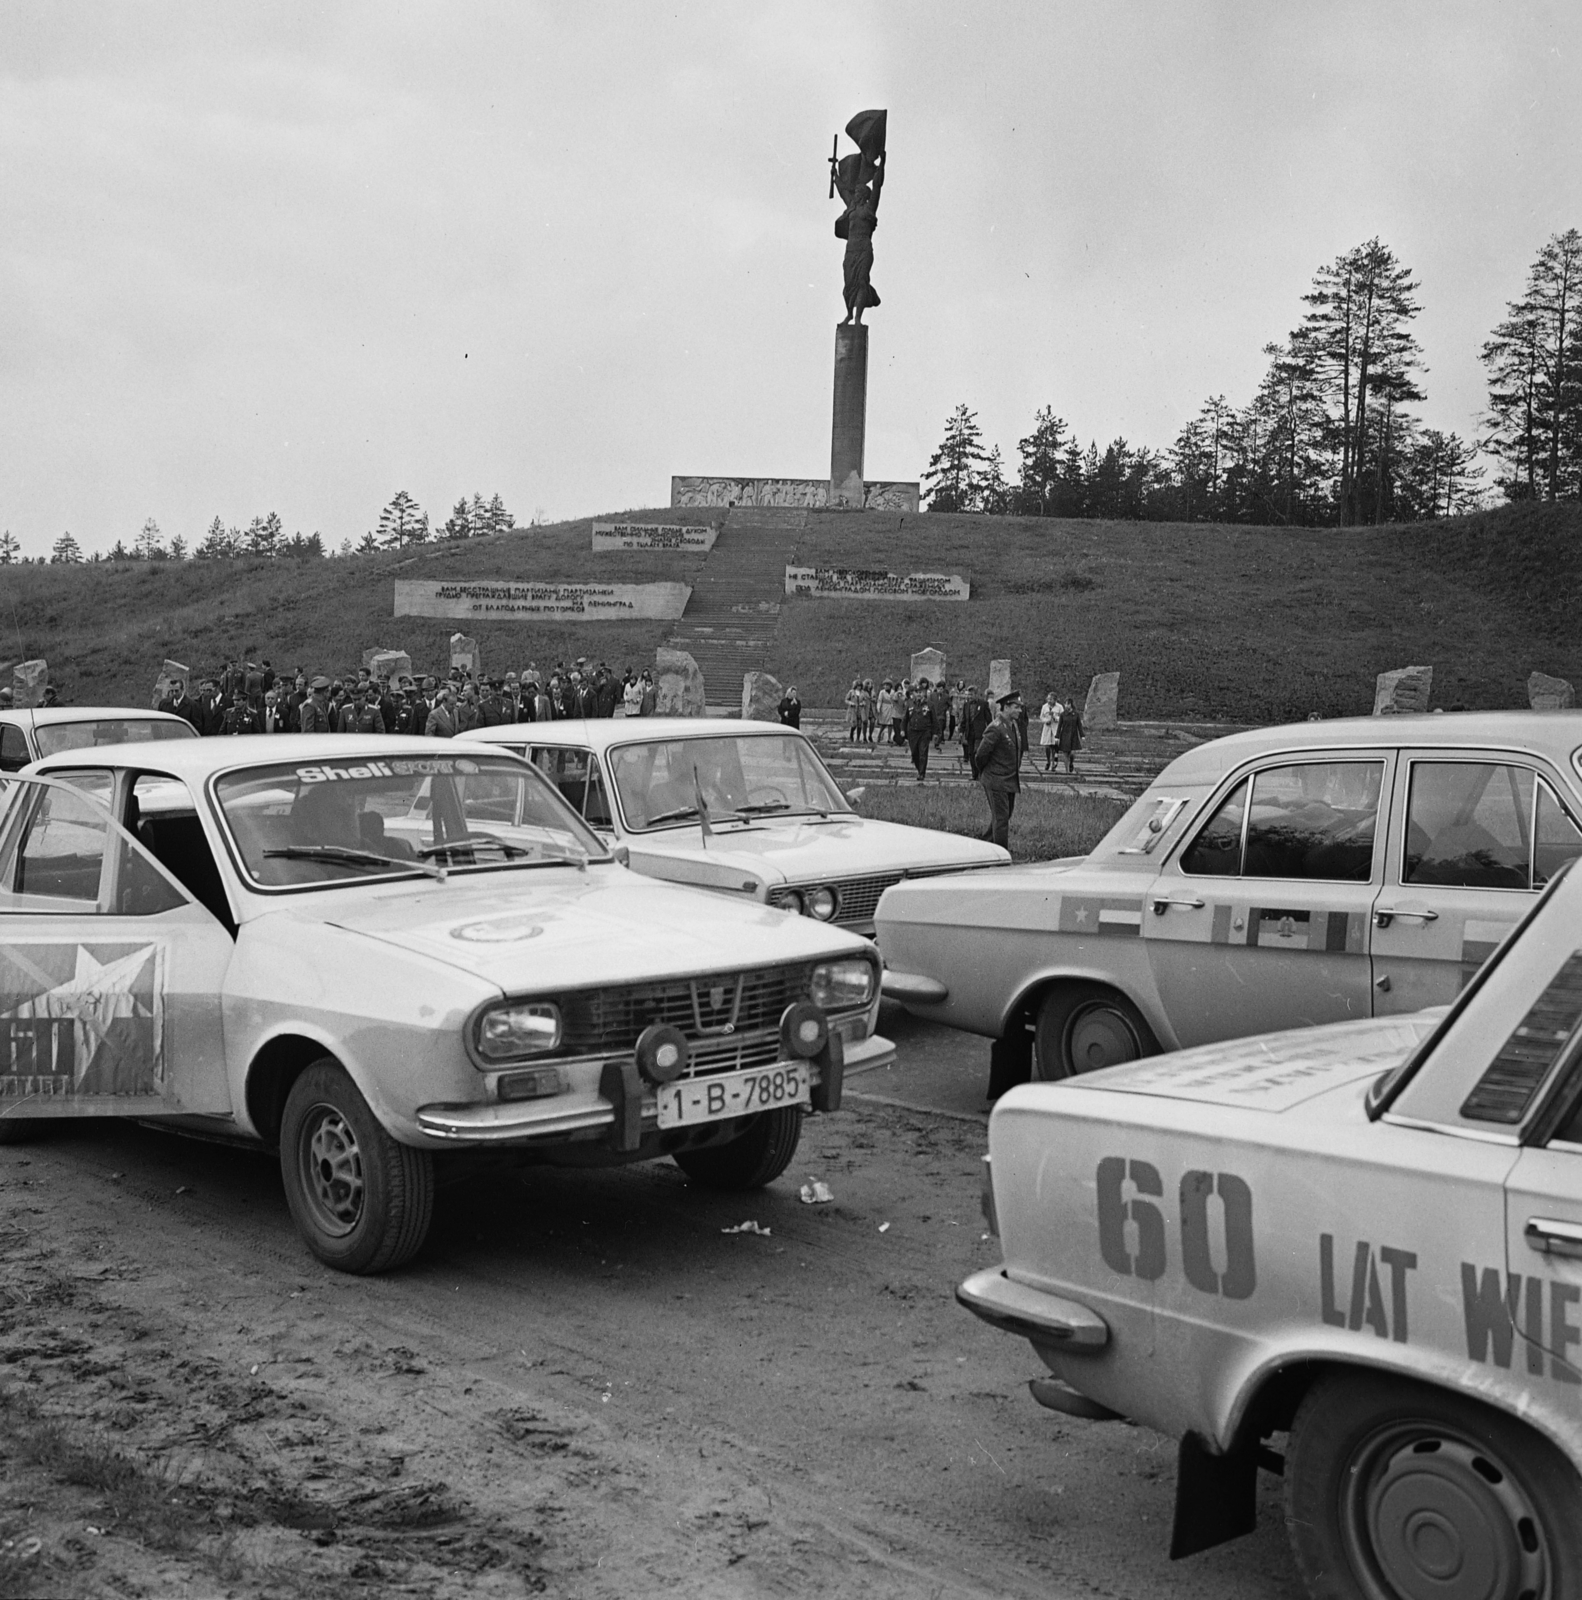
294 257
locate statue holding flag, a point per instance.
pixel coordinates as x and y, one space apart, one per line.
859 179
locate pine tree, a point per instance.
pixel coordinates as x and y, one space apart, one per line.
1044 486
367 545
216 544
1358 331
500 520
178 547
263 536
67 551
400 520
1534 360
953 480
458 525
149 544
10 548
478 517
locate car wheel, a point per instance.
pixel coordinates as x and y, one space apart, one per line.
752 1159
1398 1491
361 1201
1081 1029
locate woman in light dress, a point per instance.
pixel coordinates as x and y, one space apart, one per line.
1049 734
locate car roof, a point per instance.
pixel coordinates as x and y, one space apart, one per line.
599 733
44 716
1555 734
196 759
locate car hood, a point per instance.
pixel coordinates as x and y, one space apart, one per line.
1023 896
814 850
1271 1071
561 928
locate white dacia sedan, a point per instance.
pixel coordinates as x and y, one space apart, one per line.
367 951
1273 879
740 807
1362 1242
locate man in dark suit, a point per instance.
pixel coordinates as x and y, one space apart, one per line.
180 704
974 724
999 767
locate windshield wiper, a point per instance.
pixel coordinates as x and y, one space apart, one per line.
692 811
341 856
762 806
544 851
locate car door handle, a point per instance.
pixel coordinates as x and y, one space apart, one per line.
1383 914
1162 903
1553 1237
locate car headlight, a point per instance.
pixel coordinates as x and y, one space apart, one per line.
839 985
821 903
509 1031
787 900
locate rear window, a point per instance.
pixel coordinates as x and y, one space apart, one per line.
55 737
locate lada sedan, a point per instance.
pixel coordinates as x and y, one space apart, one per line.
26 736
1365 1237
746 808
369 951
1273 879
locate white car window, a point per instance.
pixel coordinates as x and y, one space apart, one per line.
760 774
55 737
1556 838
1468 824
14 754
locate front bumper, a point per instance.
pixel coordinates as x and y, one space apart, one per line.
499 1124
1043 1318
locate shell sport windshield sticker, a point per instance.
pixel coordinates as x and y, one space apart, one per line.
81 1019
420 767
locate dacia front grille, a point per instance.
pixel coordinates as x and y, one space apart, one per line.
718 1007
856 899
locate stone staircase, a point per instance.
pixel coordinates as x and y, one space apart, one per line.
730 621
1117 762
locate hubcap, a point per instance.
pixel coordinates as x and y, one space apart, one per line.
1098 1036
332 1170
1437 1517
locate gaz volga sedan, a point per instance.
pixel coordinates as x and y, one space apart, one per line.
1272 879
1351 1254
367 951
743 808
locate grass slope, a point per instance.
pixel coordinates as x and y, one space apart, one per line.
1203 622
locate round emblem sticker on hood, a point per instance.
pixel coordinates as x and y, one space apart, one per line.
501 930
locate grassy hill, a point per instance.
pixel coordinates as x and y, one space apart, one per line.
1202 621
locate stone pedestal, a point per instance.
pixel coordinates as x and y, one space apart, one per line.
1102 707
1402 692
761 695
389 664
28 682
929 663
1549 694
678 684
850 426
464 654
999 680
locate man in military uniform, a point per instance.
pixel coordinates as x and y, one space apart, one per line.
998 762
975 718
314 714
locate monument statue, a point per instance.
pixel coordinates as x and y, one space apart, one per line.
859 179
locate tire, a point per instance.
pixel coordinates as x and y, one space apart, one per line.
361 1202
1398 1491
1082 1028
752 1159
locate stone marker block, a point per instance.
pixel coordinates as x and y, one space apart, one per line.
28 679
464 653
387 664
1102 707
761 692
929 663
678 684
999 680
1549 694
1403 691
172 673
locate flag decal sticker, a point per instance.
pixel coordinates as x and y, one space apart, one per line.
1291 928
1100 914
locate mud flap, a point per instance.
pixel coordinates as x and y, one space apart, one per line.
620 1084
831 1062
1010 1060
1216 1497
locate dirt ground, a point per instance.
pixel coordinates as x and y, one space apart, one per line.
585 1385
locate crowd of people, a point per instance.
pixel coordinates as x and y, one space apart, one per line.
250 697
924 715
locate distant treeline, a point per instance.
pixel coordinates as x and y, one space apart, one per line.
1329 438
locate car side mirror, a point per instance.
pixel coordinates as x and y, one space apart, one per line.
622 855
